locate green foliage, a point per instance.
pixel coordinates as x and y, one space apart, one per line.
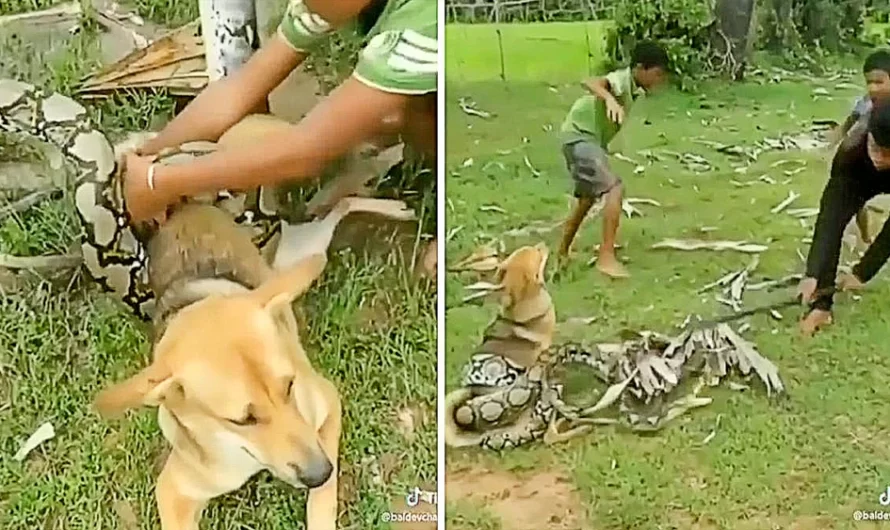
169 13
683 27
878 11
796 27
12 7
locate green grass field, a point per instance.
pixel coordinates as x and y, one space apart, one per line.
807 464
371 330
478 52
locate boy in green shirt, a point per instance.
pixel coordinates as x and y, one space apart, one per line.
394 80
586 132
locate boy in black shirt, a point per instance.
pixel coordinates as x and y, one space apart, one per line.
860 170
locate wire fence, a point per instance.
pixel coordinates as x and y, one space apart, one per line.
497 11
507 39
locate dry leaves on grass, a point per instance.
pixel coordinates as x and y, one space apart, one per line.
42 434
649 368
792 196
482 259
734 285
470 108
697 244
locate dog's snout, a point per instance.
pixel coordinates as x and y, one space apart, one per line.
315 473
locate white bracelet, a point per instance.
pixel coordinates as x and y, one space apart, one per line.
151 177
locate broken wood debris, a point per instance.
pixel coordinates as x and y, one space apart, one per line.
174 61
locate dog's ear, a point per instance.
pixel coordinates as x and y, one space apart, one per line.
148 387
311 403
286 286
502 267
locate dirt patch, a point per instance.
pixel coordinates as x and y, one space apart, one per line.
522 502
682 520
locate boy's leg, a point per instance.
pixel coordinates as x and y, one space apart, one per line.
585 194
573 223
607 262
842 197
594 178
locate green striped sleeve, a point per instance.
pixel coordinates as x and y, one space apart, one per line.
301 27
402 61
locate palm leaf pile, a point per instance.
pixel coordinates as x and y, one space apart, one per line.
647 370
655 378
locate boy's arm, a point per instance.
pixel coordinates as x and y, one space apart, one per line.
609 88
842 129
601 88
226 101
349 115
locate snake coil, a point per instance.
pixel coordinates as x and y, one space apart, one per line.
113 254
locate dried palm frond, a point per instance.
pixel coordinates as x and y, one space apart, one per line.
647 369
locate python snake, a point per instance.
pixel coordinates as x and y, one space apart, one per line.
505 406
113 251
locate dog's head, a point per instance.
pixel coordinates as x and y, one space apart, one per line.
235 384
521 275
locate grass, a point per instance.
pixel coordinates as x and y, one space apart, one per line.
371 330
809 463
477 52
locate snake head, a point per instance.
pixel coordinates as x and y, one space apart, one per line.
521 275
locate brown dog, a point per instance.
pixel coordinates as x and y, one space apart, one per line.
235 391
511 346
527 321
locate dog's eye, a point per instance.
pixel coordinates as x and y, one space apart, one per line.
290 387
250 419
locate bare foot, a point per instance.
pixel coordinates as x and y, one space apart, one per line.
610 266
814 321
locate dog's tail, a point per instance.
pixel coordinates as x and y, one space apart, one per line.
455 436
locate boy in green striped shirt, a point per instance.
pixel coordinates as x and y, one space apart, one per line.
393 86
592 122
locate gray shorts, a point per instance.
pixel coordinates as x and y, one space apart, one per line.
588 164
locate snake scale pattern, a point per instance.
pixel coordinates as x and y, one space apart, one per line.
113 253
501 406
511 406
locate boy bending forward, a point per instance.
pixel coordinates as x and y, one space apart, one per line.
586 132
876 70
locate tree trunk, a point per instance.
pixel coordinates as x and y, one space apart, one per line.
732 33
230 32
229 29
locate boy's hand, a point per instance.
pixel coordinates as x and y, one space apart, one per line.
141 202
615 111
